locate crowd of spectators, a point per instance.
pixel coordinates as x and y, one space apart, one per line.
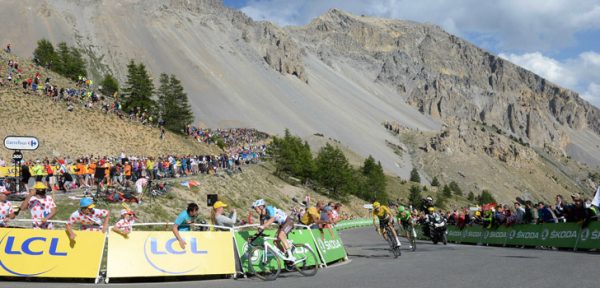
491 216
233 137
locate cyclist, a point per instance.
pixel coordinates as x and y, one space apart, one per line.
269 215
405 221
384 214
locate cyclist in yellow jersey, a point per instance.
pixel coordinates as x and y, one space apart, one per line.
386 218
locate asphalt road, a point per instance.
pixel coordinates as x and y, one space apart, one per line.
451 266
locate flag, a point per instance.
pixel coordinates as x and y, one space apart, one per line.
193 183
190 184
596 201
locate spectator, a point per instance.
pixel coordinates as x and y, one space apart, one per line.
90 219
41 206
6 209
519 213
531 213
312 217
183 221
125 225
545 214
217 218
559 208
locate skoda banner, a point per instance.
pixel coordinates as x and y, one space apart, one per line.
145 253
48 253
589 238
559 235
330 245
495 236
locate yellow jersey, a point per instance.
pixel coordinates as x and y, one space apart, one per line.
306 219
384 212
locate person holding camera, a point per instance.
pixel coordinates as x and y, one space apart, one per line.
41 206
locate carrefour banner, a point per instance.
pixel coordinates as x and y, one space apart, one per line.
146 253
48 253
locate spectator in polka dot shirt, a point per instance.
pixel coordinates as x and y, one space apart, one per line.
89 218
6 209
41 206
125 225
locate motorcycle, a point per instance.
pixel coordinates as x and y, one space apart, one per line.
438 229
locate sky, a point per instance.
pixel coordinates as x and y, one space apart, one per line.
557 39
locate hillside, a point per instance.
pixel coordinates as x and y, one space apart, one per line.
83 131
343 76
238 191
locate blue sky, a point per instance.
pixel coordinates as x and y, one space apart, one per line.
558 39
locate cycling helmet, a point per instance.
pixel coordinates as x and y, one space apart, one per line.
429 198
86 203
376 205
401 209
431 209
259 202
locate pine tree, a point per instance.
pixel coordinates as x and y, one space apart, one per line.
109 84
471 196
446 191
173 104
455 188
292 156
415 197
486 197
414 176
139 87
185 116
435 182
375 178
334 171
44 53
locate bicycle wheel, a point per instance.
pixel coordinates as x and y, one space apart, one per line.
309 263
392 241
265 266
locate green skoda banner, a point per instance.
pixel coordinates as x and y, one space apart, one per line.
495 237
589 238
562 235
330 245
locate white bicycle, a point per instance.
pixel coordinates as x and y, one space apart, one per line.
264 260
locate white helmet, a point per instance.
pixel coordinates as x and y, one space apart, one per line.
259 202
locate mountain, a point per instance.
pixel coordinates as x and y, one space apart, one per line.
341 75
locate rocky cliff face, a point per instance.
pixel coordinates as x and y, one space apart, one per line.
451 79
341 75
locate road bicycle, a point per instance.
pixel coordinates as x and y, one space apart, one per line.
265 260
395 248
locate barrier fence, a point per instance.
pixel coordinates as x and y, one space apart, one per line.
51 254
560 235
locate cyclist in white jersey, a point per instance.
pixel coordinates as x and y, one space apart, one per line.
269 215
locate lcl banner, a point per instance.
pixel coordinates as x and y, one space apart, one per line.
48 253
146 253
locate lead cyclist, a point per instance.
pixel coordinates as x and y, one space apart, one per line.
384 214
